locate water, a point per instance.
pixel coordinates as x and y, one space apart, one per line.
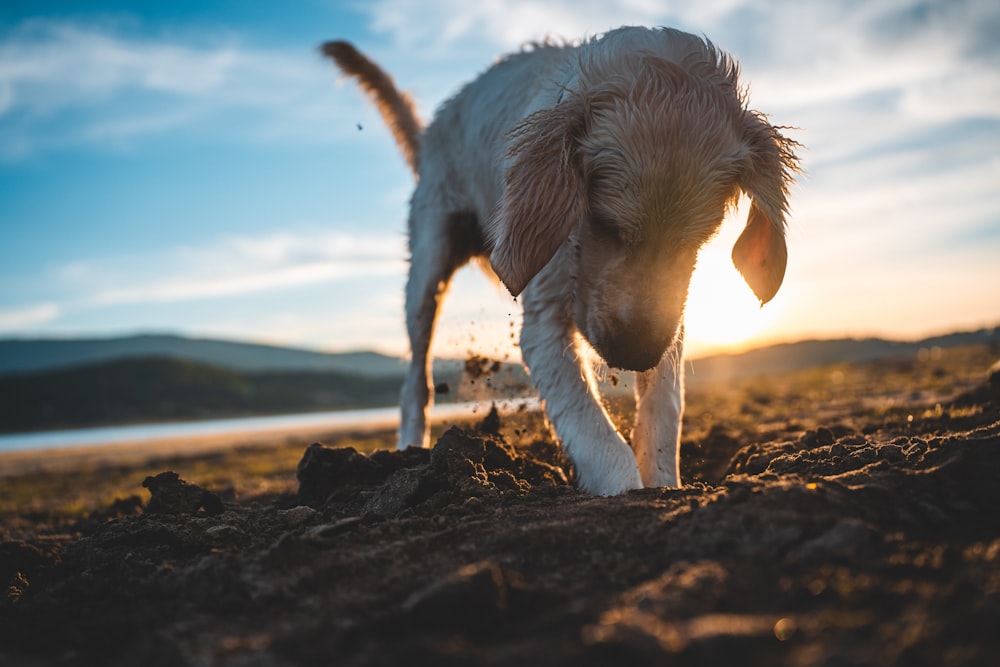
341 420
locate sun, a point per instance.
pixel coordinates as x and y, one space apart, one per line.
722 313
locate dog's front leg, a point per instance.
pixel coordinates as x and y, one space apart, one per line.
656 435
605 464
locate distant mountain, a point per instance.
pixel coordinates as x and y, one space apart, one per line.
143 390
25 356
49 383
22 356
787 357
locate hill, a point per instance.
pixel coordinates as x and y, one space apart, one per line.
26 356
21 356
159 389
789 357
48 384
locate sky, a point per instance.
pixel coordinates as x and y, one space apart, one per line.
198 168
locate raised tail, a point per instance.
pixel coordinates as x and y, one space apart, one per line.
395 106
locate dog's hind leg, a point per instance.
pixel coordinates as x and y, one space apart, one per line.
656 434
425 287
438 246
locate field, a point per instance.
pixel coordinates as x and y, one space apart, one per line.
844 515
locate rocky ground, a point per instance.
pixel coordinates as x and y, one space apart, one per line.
844 516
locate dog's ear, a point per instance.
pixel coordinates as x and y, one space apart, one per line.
544 194
760 253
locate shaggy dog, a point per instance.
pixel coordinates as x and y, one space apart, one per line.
589 176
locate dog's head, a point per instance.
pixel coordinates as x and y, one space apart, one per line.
636 173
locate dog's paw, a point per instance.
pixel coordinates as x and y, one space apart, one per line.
606 486
612 474
654 477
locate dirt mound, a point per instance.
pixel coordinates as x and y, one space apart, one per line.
870 541
172 495
465 466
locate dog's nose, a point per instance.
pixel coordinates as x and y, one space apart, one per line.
634 358
635 335
637 350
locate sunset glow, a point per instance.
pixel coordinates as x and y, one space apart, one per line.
722 313
208 173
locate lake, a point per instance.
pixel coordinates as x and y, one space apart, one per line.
243 427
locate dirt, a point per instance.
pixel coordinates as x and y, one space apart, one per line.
867 536
478 366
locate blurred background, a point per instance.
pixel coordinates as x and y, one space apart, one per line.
199 169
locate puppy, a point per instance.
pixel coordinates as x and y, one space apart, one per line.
589 176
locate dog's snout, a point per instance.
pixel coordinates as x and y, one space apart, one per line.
634 344
635 351
630 333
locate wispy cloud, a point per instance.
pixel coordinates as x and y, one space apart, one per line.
48 65
237 266
63 84
443 26
802 53
29 316
307 287
925 61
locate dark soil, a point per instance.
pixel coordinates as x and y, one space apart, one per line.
866 536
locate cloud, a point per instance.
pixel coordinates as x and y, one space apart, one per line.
63 84
444 26
797 54
238 266
917 57
48 65
30 316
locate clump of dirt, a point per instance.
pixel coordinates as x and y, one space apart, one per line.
172 495
478 366
327 474
867 540
464 466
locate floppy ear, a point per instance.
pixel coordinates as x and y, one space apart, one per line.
544 195
760 253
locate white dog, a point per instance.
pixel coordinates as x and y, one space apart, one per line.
589 176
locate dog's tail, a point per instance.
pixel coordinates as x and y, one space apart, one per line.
396 107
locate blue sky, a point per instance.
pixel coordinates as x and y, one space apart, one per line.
196 167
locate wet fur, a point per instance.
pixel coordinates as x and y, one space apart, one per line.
590 176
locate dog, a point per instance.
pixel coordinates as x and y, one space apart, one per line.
589 175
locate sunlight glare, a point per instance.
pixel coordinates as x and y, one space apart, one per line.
722 313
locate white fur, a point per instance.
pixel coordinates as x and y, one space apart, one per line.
590 175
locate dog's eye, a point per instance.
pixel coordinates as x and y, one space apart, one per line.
605 228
